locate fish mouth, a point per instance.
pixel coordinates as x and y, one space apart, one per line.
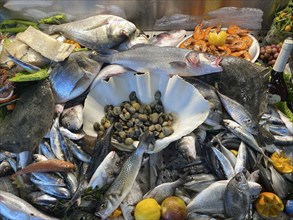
217 62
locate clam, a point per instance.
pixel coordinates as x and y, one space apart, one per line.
178 97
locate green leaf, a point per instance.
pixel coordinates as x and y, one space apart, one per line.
25 77
283 107
55 19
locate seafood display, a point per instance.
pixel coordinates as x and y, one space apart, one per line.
122 126
231 42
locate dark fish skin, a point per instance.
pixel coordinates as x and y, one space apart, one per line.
101 150
237 197
232 82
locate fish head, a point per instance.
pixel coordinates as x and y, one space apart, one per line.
115 162
67 165
251 125
107 206
208 62
240 181
120 28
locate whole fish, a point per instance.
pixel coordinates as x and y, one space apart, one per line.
187 147
72 77
73 136
15 208
123 183
225 163
209 93
55 140
72 118
237 197
239 113
47 166
101 150
137 38
26 66
128 204
106 172
241 158
168 38
164 190
96 32
48 178
43 181
165 60
58 191
211 199
243 134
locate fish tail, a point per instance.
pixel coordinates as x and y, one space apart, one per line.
146 142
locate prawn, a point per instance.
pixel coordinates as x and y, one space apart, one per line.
234 29
201 45
248 40
238 45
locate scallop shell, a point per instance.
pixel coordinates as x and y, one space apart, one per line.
178 96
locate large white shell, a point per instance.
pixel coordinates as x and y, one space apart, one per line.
178 96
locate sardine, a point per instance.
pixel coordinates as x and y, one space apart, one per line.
42 199
26 66
283 140
48 178
106 172
72 136
13 207
72 77
71 181
123 183
164 190
101 150
165 60
225 163
241 158
280 130
243 134
237 197
239 113
136 39
168 38
58 191
96 32
47 166
55 140
39 157
72 118
187 147
47 150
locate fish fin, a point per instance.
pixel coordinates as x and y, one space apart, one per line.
178 64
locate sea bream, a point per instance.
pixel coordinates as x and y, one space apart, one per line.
96 32
165 60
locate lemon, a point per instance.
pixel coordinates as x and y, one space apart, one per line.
269 204
147 209
217 39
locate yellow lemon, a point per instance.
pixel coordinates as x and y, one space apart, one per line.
269 204
217 39
147 209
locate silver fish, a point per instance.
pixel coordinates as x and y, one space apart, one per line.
168 38
241 158
164 190
77 151
237 197
71 181
239 113
48 178
72 136
42 199
279 183
57 191
72 77
211 199
122 185
26 66
40 181
243 134
128 204
137 38
39 157
106 172
187 147
283 140
165 60
227 153
96 32
209 93
13 207
199 182
225 163
55 140
46 149
72 118
286 121
280 130
5 168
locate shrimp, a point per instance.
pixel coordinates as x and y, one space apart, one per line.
187 43
200 33
238 45
248 40
225 50
243 54
234 29
201 45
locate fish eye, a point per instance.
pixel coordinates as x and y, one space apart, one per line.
238 178
103 205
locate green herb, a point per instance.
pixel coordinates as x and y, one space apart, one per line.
15 26
283 107
25 77
55 19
